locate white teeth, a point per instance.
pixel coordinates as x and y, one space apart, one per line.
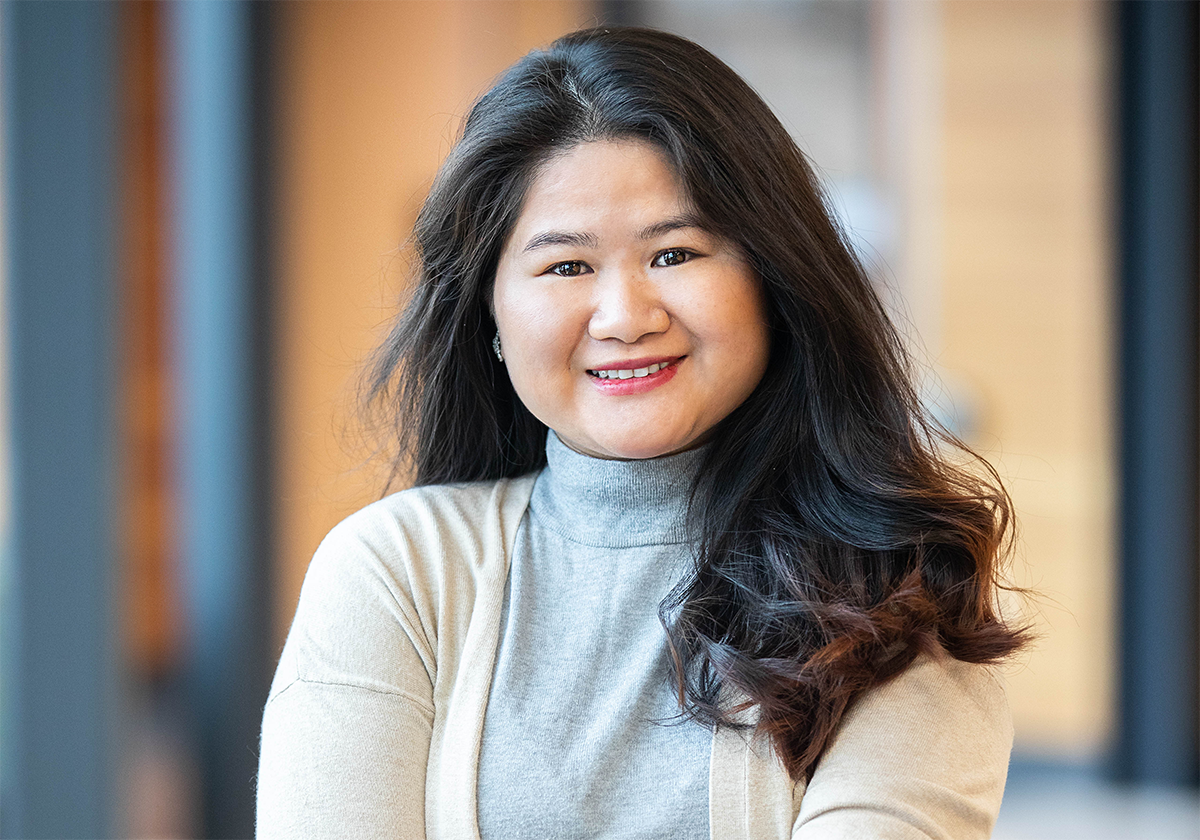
637 373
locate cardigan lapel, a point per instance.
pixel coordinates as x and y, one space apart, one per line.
750 795
452 811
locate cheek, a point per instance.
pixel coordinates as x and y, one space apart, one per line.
756 338
539 338
733 319
532 327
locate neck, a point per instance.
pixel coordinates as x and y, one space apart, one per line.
615 503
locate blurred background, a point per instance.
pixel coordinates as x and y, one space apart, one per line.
204 212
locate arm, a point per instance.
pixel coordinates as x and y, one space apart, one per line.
346 730
923 756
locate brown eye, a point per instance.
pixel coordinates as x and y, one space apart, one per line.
675 256
568 269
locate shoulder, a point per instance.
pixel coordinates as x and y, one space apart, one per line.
407 567
943 683
938 708
423 544
928 750
445 514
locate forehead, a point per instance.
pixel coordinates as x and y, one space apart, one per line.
602 182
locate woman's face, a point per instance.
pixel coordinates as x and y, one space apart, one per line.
626 328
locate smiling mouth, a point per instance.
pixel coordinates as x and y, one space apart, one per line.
631 373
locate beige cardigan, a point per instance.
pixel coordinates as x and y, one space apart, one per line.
375 717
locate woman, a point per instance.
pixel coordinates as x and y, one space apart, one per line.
684 557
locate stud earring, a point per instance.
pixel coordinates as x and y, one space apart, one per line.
496 346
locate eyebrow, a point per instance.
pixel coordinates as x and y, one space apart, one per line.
580 239
686 220
562 237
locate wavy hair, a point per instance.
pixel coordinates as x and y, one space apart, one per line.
837 540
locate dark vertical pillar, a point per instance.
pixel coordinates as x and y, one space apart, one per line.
219 354
59 654
1157 720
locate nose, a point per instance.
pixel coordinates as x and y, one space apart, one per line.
626 307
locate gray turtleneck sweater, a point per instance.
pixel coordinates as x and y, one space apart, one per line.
582 707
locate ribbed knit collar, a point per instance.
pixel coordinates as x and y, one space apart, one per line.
618 504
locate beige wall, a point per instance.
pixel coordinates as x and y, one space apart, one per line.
1025 305
372 96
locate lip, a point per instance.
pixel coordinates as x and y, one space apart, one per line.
639 385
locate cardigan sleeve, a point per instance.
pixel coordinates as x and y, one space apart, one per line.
922 757
347 726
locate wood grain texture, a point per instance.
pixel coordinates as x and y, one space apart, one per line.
1026 321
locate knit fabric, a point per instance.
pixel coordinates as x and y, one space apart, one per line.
582 702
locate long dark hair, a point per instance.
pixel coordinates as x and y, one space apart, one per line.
836 540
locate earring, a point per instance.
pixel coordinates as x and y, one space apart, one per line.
496 346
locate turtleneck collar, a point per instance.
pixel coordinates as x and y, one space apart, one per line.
618 504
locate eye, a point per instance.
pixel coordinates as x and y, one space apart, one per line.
572 268
673 256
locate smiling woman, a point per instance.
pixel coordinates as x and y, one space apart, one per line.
670 469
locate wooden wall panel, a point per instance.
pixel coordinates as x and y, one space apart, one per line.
150 609
372 97
1026 321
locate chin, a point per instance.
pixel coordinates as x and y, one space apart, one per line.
642 449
